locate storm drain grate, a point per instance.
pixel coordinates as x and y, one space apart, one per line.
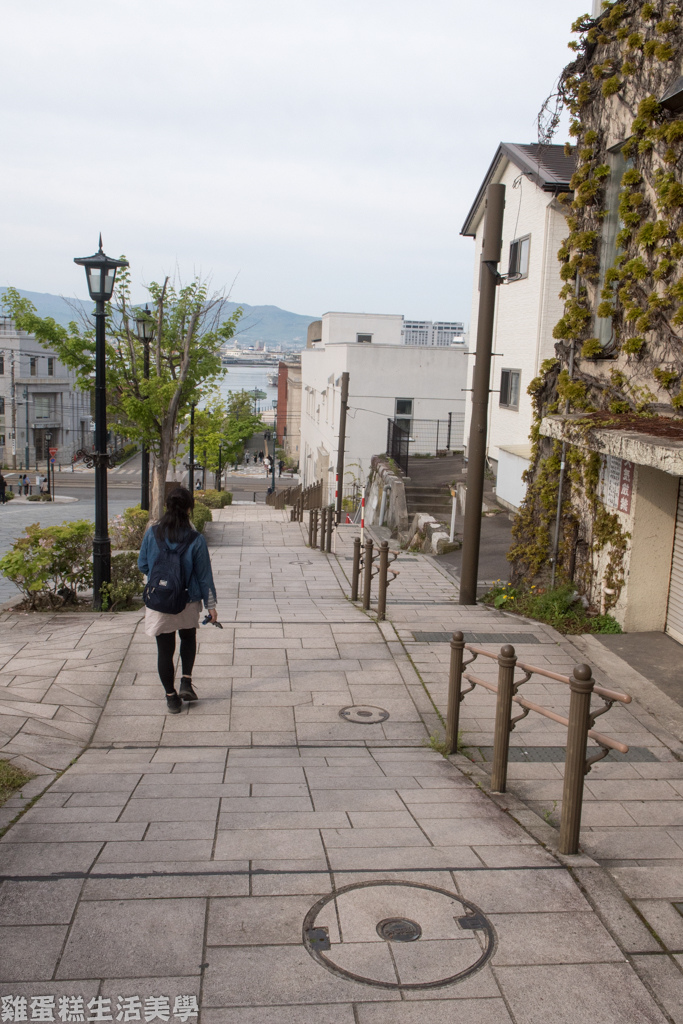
557 754
441 637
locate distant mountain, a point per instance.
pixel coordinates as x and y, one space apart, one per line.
269 324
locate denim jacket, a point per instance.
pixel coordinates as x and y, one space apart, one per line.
196 563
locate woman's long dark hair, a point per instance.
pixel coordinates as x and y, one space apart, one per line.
175 523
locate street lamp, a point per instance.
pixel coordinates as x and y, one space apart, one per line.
267 436
145 326
100 272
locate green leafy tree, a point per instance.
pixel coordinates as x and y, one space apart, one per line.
185 362
228 426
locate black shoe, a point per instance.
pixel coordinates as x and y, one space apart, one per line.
185 691
174 703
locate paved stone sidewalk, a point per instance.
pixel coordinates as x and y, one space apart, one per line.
246 852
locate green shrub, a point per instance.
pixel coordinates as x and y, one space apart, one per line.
127 582
200 516
9 495
128 529
213 499
50 566
559 607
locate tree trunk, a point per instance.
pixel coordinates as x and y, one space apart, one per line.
161 462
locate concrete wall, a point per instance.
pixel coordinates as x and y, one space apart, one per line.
527 310
343 328
432 377
510 488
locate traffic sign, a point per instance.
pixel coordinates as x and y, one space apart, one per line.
53 451
52 462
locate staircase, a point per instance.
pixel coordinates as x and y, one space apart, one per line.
435 500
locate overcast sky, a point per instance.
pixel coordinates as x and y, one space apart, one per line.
321 154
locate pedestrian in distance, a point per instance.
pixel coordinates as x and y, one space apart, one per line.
175 559
3 490
280 467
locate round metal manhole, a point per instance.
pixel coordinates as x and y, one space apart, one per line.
399 929
363 714
398 935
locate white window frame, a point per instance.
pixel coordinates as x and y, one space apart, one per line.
507 390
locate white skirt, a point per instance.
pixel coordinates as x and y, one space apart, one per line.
162 622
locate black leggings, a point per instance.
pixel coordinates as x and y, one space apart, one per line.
166 650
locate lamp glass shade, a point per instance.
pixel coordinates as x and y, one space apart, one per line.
145 325
100 272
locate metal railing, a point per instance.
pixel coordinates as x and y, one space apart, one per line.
579 723
287 496
397 445
321 519
308 497
432 437
369 565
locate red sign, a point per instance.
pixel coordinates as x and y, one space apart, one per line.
53 451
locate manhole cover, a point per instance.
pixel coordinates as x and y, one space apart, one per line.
399 929
363 714
400 935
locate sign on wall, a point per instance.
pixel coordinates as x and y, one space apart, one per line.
616 482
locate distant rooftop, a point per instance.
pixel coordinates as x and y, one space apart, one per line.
547 166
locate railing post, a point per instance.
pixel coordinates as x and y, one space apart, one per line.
454 695
581 684
323 526
501 738
367 574
314 513
310 528
330 521
355 571
382 583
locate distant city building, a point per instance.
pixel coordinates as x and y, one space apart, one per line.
40 406
440 333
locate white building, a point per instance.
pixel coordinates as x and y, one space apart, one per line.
417 386
527 306
428 332
38 397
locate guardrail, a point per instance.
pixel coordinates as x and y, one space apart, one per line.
287 496
579 723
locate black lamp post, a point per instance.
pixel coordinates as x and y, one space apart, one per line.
100 272
267 436
191 487
145 327
219 475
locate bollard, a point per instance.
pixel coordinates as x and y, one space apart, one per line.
323 526
330 522
382 582
454 694
501 737
581 684
310 528
355 571
314 513
367 574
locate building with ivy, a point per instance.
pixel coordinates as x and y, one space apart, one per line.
607 439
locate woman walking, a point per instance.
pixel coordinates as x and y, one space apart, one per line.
181 556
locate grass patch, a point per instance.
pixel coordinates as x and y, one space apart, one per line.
559 607
11 779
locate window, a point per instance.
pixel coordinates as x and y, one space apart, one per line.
403 414
50 366
2 364
611 226
42 406
2 440
519 258
34 366
509 389
2 406
363 339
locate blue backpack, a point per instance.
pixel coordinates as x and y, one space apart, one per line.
166 588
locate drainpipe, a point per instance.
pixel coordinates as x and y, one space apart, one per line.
563 463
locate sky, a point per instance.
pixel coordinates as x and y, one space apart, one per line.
315 154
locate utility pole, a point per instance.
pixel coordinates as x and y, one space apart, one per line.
342 442
14 414
476 451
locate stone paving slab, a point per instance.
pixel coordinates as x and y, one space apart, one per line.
180 858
